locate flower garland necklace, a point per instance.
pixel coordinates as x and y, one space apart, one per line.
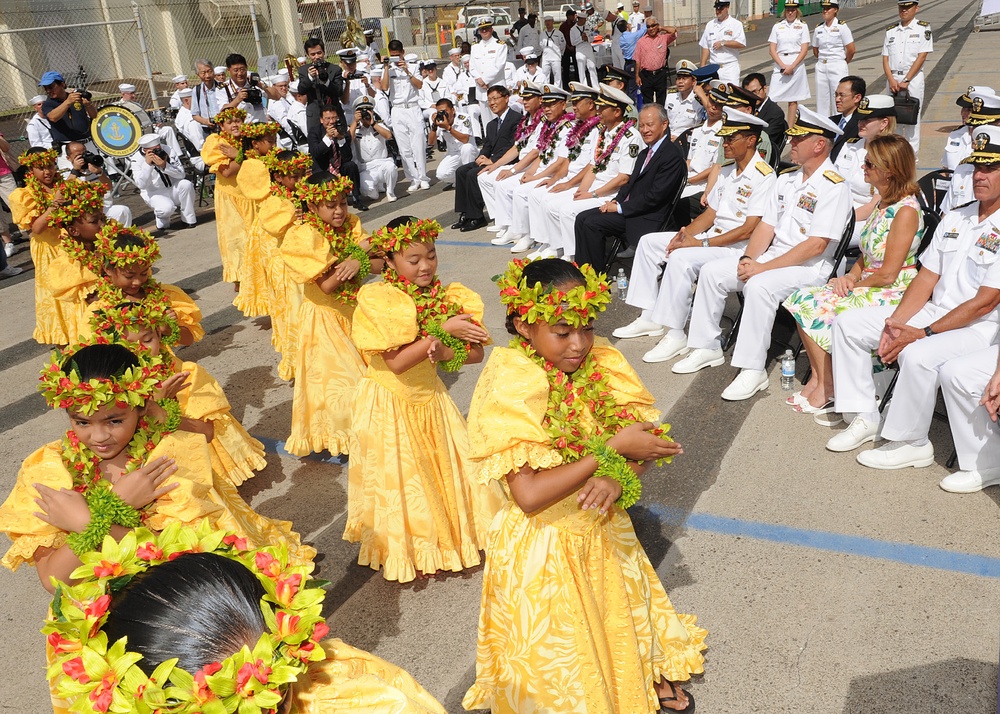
547 139
575 138
525 128
154 300
433 310
343 248
284 192
42 195
602 157
78 251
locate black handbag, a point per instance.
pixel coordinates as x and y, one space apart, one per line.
907 108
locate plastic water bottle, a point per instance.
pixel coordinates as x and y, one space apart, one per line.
622 283
788 371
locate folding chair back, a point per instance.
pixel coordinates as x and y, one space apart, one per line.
933 187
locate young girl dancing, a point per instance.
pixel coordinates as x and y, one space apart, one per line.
573 618
412 501
127 255
116 468
223 154
326 253
31 209
192 622
254 182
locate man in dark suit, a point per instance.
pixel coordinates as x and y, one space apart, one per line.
849 94
499 140
641 205
321 81
767 110
330 148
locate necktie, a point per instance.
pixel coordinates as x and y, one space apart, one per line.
163 177
646 162
843 122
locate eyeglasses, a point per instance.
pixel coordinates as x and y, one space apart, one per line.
732 137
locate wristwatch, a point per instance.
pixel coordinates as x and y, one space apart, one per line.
928 331
706 243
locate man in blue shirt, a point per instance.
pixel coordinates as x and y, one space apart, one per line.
627 41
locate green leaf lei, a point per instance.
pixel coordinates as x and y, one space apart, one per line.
343 247
152 310
42 195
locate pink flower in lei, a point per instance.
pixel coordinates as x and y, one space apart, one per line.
550 130
601 155
525 128
581 129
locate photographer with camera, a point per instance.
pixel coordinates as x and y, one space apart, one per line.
356 83
321 81
159 177
403 86
456 132
330 148
84 164
68 112
244 90
371 137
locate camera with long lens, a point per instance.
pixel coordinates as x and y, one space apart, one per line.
440 117
353 75
254 95
92 159
324 73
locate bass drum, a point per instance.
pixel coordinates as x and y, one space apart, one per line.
116 131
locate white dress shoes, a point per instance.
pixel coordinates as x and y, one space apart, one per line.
494 228
970 481
747 383
504 237
698 360
666 349
522 245
639 328
860 431
541 252
897 455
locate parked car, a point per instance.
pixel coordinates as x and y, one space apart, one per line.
468 20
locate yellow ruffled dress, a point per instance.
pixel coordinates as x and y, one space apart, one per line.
72 284
412 501
187 311
254 181
55 320
328 367
573 616
234 212
351 681
276 216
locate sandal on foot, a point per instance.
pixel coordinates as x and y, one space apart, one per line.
807 408
796 399
689 709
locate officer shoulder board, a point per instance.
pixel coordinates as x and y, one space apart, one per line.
764 168
728 162
672 90
855 140
789 170
969 203
833 177
893 26
923 23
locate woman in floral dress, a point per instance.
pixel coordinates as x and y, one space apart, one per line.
889 241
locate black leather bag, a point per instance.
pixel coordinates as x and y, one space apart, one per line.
907 108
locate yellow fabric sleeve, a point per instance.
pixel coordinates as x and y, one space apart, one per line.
212 155
386 318
188 313
276 215
306 253
69 281
254 179
358 233
505 419
626 387
23 208
471 302
204 399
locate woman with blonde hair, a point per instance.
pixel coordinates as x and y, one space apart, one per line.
876 117
889 241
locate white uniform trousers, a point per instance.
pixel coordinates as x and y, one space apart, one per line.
408 130
912 133
730 72
487 187
672 306
168 137
164 201
485 115
519 218
976 436
647 267
762 295
828 76
552 66
122 214
377 176
501 197
450 162
586 68
568 211
856 334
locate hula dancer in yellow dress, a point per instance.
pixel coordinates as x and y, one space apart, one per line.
254 181
223 154
31 209
412 501
198 622
275 216
573 618
204 407
127 254
326 253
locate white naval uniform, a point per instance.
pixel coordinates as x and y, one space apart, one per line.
552 46
798 209
963 253
959 191
850 165
963 381
831 64
585 64
175 100
277 110
703 152
521 74
458 154
527 36
453 76
727 58
357 90
164 190
557 228
959 147
902 45
788 38
489 58
683 114
378 170
519 212
734 198
39 132
184 123
635 20
297 116
408 123
538 201
490 187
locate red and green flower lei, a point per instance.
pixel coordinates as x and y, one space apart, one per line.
578 133
547 139
602 156
343 247
525 128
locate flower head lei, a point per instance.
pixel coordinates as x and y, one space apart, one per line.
96 675
577 306
147 254
41 158
393 240
258 130
78 198
319 192
299 162
115 322
228 114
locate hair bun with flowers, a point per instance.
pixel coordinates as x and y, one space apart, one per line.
327 191
122 257
299 162
577 306
392 240
65 389
40 158
231 113
257 130
95 675
78 198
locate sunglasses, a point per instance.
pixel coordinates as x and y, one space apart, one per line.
869 165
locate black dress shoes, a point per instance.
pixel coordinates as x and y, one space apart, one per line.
474 225
459 224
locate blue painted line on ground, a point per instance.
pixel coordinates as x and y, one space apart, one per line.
273 446
474 244
892 551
